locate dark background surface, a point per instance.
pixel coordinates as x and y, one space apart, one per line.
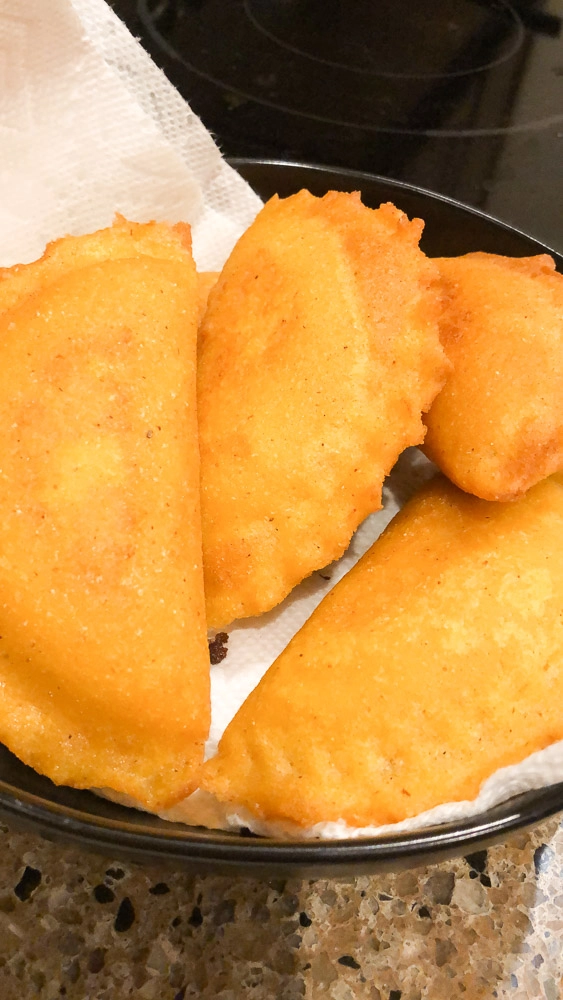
464 97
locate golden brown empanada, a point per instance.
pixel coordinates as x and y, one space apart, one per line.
435 661
205 282
496 428
318 352
103 655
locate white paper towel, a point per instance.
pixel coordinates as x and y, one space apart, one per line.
89 126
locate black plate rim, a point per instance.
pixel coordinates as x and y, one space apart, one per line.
174 842
240 162
228 851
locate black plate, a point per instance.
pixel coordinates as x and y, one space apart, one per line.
31 801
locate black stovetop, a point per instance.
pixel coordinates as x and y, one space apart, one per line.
464 97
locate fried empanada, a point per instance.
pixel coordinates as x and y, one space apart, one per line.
318 352
205 282
496 428
103 656
435 661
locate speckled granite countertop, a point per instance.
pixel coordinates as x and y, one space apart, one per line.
85 927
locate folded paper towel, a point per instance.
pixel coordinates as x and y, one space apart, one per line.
89 126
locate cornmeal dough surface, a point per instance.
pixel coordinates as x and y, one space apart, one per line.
318 352
103 656
437 660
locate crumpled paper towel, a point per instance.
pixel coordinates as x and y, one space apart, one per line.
89 126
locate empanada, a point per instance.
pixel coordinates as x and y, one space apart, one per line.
497 425
318 352
103 656
205 282
435 661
